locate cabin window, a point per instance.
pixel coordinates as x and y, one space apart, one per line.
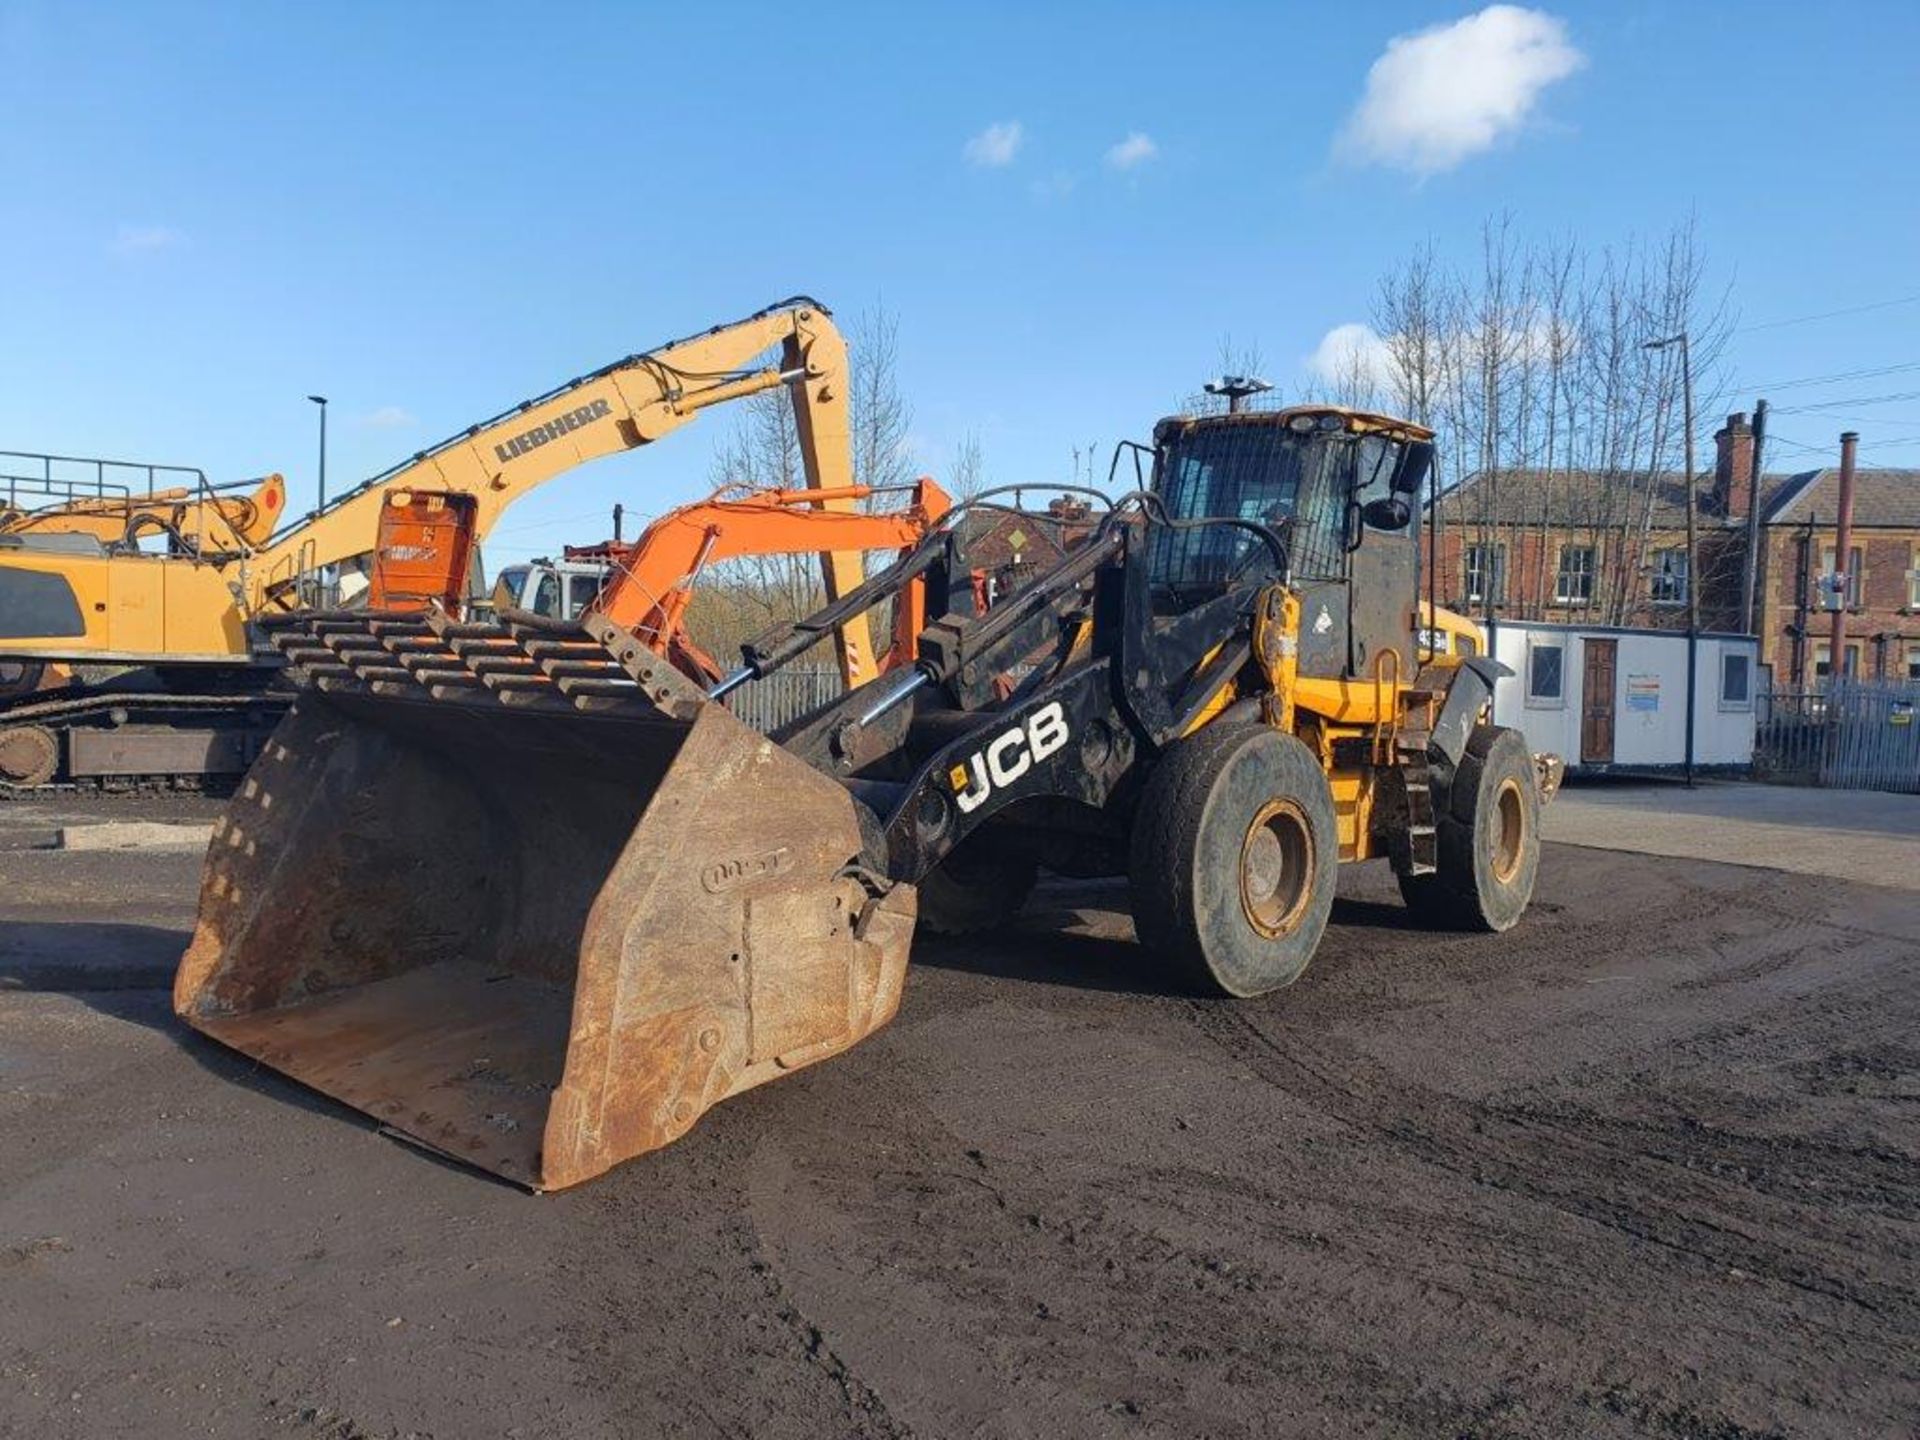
1546 674
582 590
1736 681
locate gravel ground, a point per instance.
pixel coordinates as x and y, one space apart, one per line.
1650 1165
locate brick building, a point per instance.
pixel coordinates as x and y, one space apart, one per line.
1008 546
1882 576
1592 547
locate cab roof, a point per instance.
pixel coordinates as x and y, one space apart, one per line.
1357 422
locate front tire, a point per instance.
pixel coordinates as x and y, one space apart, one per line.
1489 839
1234 859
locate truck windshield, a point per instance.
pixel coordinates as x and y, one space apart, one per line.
1250 471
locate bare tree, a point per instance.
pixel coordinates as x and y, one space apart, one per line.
1532 369
966 476
881 417
742 596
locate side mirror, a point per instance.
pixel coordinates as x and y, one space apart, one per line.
1416 459
1390 513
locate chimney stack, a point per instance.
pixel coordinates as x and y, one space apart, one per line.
1733 458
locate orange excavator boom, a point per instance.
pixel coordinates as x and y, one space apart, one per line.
653 578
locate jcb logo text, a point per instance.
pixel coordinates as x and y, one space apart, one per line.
1008 756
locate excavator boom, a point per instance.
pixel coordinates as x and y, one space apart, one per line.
652 584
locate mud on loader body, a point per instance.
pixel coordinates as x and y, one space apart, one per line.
533 898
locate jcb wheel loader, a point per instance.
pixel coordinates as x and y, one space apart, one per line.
533 898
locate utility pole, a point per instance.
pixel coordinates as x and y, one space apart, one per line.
1842 543
1693 589
321 401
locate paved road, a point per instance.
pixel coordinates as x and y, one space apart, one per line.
1849 834
1648 1166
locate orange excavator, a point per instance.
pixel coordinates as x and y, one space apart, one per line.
653 579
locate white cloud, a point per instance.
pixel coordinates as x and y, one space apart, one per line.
1353 356
1442 94
996 145
143 239
1136 149
1355 359
388 417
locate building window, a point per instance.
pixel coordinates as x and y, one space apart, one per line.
1913 662
1487 573
1546 674
1913 580
1823 660
1856 574
1573 578
1736 680
1670 577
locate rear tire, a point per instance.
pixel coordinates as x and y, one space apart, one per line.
1234 859
1489 839
976 888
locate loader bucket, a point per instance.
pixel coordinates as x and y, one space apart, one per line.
538 938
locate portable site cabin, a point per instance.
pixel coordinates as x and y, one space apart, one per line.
1612 700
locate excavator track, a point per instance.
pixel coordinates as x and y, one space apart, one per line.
126 742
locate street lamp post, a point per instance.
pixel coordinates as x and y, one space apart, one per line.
1693 592
321 401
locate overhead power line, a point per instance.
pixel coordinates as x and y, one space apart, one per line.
1813 405
1829 314
1838 376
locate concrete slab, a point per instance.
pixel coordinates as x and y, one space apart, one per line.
133 835
1860 835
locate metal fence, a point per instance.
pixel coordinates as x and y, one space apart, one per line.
785 695
1855 735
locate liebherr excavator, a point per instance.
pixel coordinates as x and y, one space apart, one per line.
534 898
197 612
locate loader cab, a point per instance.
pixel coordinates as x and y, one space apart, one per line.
1338 486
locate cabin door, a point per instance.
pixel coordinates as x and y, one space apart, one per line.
1597 692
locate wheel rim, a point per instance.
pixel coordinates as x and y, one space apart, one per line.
1510 834
1276 868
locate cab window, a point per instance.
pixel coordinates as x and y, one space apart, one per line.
581 592
546 595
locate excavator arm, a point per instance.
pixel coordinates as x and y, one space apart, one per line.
625 405
199 521
653 580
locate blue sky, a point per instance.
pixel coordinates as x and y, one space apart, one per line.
429 212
